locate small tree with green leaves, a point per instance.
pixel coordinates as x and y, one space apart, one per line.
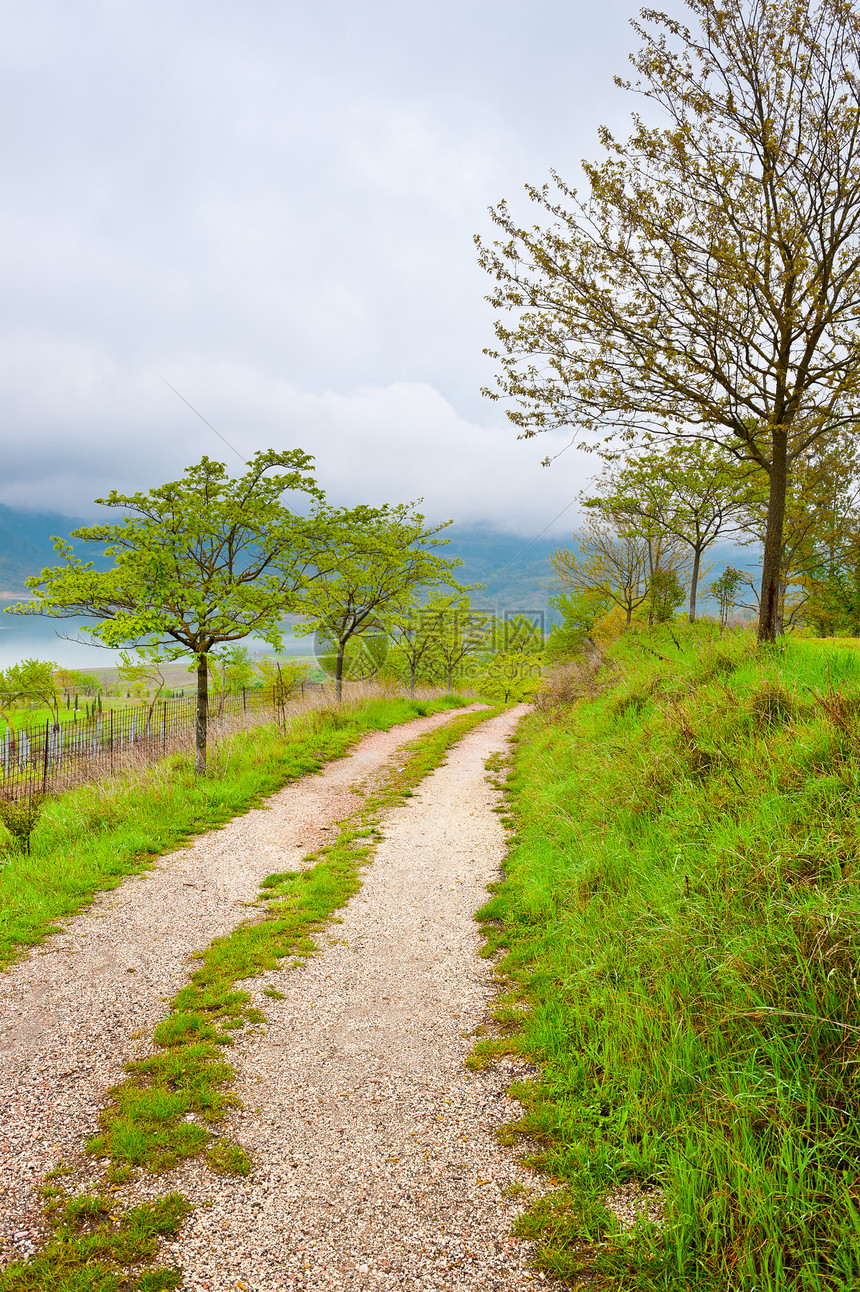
413 633
461 635
199 562
382 557
691 492
666 593
20 813
580 609
30 682
143 671
726 589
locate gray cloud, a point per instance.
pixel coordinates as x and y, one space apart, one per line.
272 205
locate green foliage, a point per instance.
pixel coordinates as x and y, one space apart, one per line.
76 680
665 594
282 678
510 677
680 918
384 556
581 609
20 814
29 683
688 494
726 589
364 657
198 562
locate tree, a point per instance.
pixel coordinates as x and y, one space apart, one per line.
234 669
30 682
726 589
384 555
414 634
281 678
612 564
461 634
198 562
70 680
144 669
825 556
509 676
581 609
665 594
820 506
708 285
511 666
690 491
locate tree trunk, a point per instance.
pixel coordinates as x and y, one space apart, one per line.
694 583
768 623
450 682
338 672
412 680
202 724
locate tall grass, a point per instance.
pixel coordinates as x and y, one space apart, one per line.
681 913
90 838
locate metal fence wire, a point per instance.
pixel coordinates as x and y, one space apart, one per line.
40 757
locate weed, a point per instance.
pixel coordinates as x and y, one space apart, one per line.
228 1159
20 815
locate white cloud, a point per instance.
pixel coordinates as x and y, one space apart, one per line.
273 206
86 424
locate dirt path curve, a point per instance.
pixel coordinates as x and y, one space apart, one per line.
69 1015
375 1161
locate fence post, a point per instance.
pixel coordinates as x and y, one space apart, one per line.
244 700
111 742
45 760
163 726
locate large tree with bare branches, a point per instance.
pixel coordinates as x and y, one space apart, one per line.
707 285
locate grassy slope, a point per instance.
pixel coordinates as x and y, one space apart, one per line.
90 838
681 913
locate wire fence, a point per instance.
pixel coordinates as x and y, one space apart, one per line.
44 757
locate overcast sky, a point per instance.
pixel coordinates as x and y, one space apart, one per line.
271 205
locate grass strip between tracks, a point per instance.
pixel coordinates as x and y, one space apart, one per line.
188 1077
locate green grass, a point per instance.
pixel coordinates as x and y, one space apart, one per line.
146 1125
681 917
89 839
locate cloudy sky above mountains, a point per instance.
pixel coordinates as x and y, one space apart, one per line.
271 205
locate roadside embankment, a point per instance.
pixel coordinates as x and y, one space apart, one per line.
680 927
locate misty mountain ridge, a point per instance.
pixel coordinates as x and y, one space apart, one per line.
515 577
515 572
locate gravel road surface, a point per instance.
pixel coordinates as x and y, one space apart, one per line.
375 1159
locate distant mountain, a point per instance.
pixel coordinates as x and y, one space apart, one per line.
516 571
25 543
